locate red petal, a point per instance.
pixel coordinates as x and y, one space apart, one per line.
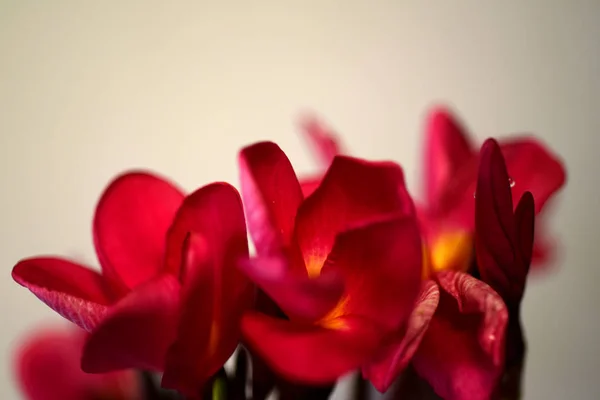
138 330
381 265
214 293
130 226
75 292
310 184
48 368
503 241
396 355
352 191
323 141
271 194
308 353
447 147
298 296
462 353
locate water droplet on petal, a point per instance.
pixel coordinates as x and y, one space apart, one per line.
511 182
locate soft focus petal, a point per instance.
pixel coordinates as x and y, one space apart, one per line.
214 292
352 191
138 330
398 352
309 353
323 141
298 296
130 226
310 184
271 193
47 367
381 265
462 353
447 147
77 293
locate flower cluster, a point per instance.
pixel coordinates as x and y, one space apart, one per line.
348 273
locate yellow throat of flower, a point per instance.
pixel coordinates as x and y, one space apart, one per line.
448 251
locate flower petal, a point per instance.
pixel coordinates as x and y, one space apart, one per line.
47 365
462 353
308 353
352 191
77 293
214 293
130 226
323 141
397 354
298 296
447 147
310 184
381 264
271 193
137 331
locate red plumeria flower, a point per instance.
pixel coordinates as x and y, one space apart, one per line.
47 366
504 240
170 295
450 166
344 264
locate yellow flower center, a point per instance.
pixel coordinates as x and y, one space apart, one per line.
448 251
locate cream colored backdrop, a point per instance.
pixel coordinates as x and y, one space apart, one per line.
90 88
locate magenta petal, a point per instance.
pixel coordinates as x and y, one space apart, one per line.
397 354
323 141
130 226
77 293
138 330
462 353
298 296
272 195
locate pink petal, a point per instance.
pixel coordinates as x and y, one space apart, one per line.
323 141
47 366
77 293
299 296
271 195
310 184
309 353
462 353
447 147
138 330
130 226
352 191
397 354
381 265
214 293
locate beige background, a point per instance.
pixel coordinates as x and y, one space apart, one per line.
90 88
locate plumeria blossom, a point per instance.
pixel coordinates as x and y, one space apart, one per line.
47 367
451 160
343 264
504 240
160 302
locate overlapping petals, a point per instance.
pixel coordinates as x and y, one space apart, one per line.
47 367
164 257
343 281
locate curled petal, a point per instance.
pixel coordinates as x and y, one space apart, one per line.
323 141
77 293
271 193
47 367
130 226
447 147
381 265
462 353
353 191
398 352
310 354
298 296
214 293
137 331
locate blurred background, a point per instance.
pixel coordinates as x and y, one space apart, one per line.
88 89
